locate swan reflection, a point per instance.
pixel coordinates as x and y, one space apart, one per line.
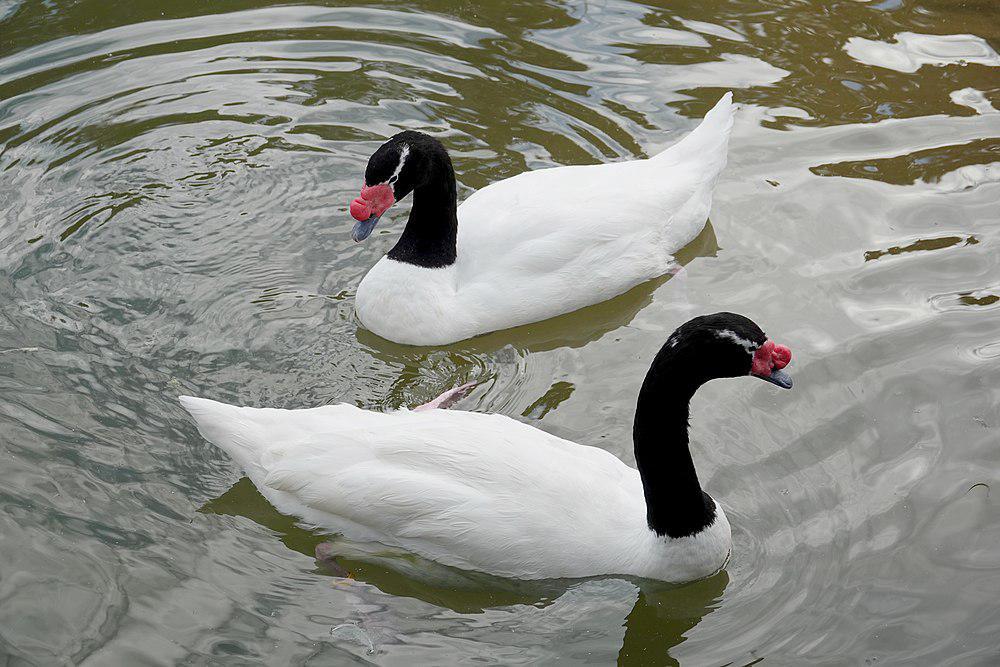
660 617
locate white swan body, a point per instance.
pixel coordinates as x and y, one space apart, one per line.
470 490
551 241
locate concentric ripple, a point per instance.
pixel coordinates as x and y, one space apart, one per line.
174 181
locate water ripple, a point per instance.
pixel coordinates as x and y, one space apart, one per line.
175 190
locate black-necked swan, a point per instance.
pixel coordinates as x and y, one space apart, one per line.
531 247
488 493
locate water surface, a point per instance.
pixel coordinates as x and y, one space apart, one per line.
174 182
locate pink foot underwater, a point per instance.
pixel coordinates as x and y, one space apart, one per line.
448 398
326 554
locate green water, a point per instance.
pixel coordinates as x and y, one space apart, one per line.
174 182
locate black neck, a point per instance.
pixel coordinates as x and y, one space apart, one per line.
675 504
430 234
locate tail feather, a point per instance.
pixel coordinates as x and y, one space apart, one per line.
231 429
709 141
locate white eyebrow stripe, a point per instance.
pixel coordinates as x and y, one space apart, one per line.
747 345
399 167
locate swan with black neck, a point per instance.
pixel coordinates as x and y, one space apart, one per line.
488 493
530 247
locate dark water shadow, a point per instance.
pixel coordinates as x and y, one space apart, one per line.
664 614
658 621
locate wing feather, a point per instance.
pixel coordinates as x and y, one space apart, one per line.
451 482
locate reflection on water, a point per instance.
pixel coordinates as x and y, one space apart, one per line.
931 166
174 182
922 245
908 52
658 620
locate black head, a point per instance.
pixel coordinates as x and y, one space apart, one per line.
724 345
404 163
401 162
